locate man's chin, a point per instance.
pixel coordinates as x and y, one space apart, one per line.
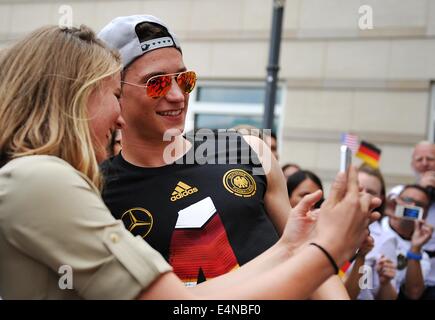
407 225
170 133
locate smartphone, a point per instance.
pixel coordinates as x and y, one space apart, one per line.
409 212
345 158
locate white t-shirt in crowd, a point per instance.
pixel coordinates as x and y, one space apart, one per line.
430 246
385 244
403 246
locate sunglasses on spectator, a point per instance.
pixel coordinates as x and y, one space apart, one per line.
158 86
410 200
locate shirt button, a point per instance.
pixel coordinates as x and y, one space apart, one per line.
114 237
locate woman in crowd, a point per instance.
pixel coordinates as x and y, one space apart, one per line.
378 259
301 183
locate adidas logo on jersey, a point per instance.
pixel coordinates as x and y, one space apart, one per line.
182 190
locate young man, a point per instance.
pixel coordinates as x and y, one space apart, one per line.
206 218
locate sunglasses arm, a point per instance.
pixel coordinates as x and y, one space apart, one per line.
134 84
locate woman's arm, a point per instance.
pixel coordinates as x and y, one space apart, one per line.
302 273
292 279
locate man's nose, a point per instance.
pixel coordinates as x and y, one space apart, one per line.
175 93
425 162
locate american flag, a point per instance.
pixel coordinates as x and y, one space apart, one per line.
350 140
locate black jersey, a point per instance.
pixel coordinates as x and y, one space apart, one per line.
205 213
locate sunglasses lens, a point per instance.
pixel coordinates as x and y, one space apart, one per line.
158 86
186 81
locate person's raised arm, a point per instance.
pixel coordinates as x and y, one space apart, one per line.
414 282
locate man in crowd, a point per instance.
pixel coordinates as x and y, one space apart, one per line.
413 264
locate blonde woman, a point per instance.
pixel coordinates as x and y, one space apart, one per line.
58 109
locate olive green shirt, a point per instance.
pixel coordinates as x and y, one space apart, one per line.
53 220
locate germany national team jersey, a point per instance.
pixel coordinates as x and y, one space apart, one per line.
204 213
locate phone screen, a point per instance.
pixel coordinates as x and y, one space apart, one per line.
411 213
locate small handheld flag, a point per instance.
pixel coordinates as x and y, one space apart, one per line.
369 153
350 140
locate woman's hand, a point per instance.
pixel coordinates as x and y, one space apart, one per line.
301 221
342 223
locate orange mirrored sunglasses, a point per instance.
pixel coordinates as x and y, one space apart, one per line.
158 86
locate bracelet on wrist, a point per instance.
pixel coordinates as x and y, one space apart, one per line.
328 255
414 256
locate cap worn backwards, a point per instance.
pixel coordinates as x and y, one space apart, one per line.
121 34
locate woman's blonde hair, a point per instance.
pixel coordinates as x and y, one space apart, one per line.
45 82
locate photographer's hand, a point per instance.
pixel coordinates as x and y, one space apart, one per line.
414 281
422 233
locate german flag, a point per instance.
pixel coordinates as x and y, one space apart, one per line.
369 153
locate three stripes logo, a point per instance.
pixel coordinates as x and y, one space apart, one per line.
182 190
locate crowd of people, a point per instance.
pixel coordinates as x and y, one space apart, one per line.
399 260
97 175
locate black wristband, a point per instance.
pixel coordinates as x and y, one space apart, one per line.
334 265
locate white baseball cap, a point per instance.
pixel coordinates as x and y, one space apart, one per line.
121 34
